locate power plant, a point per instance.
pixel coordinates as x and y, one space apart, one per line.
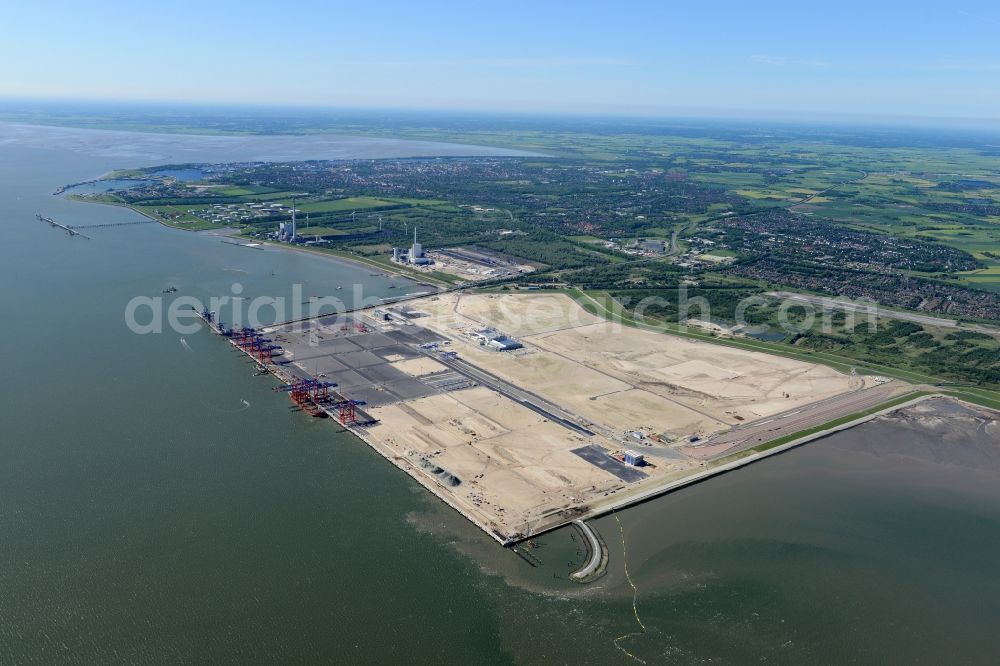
414 256
286 230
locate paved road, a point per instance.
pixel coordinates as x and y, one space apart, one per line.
798 419
865 308
535 403
830 189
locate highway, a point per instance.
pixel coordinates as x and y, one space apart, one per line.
864 309
864 174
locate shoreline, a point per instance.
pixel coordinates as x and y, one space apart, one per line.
678 484
234 234
400 462
623 500
334 256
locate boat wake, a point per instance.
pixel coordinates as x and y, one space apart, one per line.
245 407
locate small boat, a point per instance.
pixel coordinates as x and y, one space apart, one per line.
170 290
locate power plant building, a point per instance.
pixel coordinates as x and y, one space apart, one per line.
287 231
415 255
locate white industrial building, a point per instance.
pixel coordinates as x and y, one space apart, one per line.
494 339
415 255
287 231
633 458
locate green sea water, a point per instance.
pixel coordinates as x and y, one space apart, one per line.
160 504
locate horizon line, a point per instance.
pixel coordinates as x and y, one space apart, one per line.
660 113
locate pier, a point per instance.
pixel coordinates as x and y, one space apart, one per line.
319 398
111 224
70 230
312 395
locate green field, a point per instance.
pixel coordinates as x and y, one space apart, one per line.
235 191
175 216
342 205
320 231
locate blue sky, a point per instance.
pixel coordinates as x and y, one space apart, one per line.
917 58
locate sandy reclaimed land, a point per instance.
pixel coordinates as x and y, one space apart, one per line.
625 378
602 399
510 468
521 315
514 466
722 381
419 367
